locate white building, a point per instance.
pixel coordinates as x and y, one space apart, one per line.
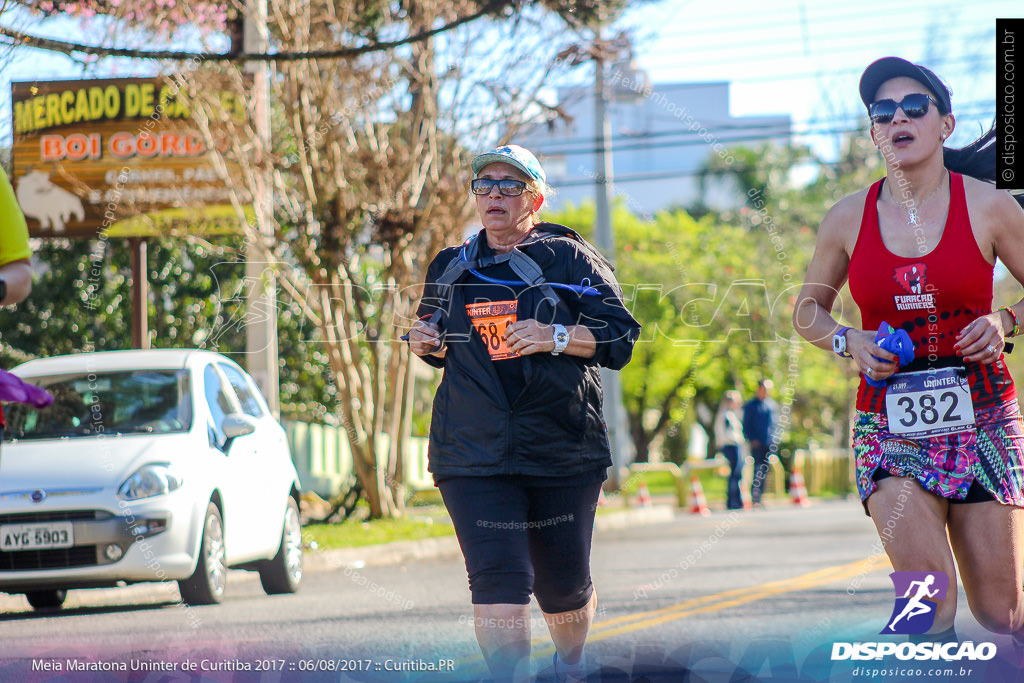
661 135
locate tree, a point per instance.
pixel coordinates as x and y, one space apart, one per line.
715 297
756 171
708 307
161 16
822 400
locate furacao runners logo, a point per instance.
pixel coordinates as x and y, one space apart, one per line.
917 596
911 280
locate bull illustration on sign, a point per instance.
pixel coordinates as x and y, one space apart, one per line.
46 202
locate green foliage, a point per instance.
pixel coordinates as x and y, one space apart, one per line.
715 297
756 170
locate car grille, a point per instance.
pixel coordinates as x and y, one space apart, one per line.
28 560
56 516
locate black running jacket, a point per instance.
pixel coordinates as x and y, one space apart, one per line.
555 427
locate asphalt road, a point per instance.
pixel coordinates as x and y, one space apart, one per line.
762 595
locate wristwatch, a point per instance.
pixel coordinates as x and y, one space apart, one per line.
839 342
561 338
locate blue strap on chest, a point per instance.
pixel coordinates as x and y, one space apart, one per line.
531 274
514 259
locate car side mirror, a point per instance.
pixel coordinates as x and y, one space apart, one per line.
236 425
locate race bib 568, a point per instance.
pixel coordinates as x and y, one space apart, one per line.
490 320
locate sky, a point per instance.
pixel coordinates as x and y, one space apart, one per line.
790 57
805 59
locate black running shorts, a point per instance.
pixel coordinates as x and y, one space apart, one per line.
519 538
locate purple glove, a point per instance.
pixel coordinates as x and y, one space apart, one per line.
13 389
893 341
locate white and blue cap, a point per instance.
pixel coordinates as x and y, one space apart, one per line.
517 156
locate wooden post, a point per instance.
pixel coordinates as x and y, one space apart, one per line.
261 298
140 294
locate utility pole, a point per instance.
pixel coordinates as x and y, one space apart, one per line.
614 411
261 291
140 294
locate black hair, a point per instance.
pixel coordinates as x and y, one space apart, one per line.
977 160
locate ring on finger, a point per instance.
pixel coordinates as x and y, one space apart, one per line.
991 349
869 371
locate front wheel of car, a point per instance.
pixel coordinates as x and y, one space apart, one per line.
207 583
283 573
51 599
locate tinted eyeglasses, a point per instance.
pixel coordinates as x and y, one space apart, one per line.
506 186
914 105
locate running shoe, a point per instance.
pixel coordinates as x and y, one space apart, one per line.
566 673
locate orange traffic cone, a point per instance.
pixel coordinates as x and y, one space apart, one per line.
798 489
698 506
643 496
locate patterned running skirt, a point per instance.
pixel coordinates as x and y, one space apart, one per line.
991 454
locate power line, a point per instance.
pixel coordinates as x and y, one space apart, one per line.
961 61
702 48
573 94
587 144
952 66
765 52
728 24
668 175
695 139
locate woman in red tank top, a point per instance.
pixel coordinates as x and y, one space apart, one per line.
938 440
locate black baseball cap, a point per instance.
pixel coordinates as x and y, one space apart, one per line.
893 67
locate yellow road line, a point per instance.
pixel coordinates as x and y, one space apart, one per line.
734 598
819 576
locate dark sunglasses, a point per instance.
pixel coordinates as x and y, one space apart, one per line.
509 188
914 105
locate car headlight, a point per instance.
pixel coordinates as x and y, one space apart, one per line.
149 480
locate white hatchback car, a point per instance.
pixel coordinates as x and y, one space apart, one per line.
148 466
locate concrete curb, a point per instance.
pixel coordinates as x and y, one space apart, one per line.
386 553
444 546
656 514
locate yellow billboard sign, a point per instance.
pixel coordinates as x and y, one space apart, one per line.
115 155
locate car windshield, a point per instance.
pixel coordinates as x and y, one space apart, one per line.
95 403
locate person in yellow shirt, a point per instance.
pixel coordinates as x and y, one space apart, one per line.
15 267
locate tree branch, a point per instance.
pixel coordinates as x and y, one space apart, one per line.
18 38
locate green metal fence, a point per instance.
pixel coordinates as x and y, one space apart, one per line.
323 458
324 461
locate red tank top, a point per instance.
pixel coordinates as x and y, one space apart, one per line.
932 296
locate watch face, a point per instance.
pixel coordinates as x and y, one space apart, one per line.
561 339
839 343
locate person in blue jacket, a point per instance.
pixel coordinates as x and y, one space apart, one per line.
760 416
